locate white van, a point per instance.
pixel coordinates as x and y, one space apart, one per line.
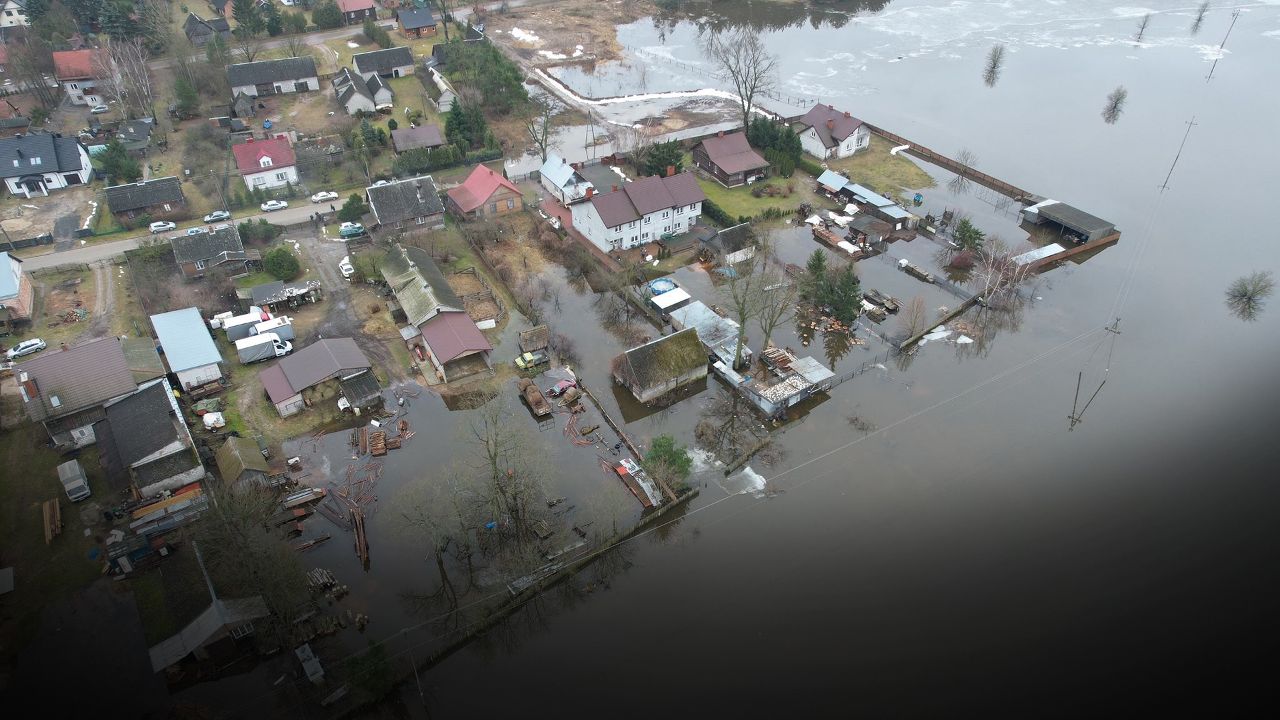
71 474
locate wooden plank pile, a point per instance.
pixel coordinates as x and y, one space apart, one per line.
52 520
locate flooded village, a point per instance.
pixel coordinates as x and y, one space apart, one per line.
484 314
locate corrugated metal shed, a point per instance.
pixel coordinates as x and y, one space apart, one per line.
185 339
867 195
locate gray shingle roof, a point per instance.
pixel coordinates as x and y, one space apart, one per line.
383 61
347 83
80 377
142 423
405 200
52 153
322 360
135 196
424 136
218 245
416 18
267 71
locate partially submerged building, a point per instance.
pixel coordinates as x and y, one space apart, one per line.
1070 222
718 335
328 359
790 381
661 366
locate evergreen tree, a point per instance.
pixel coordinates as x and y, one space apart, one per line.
119 164
248 19
216 52
272 22
281 263
662 156
846 300
353 209
185 94
967 236
815 276
326 15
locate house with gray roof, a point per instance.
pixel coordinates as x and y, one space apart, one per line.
67 390
160 199
145 443
188 347
563 180
357 94
826 132
416 22
273 77
135 135
644 211
36 163
323 360
408 203
197 254
200 31
411 138
390 63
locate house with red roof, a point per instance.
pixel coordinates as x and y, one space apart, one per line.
826 132
485 193
640 212
78 72
266 163
355 11
730 159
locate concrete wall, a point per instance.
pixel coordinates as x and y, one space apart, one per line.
199 376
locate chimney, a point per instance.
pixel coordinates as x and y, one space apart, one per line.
832 107
615 188
831 124
671 170
563 161
250 140
720 134
847 115
590 191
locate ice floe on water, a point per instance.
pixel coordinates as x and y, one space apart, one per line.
745 481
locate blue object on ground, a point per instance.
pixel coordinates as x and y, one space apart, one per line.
266 124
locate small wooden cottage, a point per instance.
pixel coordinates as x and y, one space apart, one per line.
660 366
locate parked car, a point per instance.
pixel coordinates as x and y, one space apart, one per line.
324 196
350 230
196 231
217 215
99 109
380 183
531 360
221 226
270 205
161 226
345 267
560 388
26 347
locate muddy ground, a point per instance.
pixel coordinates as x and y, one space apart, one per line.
549 32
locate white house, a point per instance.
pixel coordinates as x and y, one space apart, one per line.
34 164
639 212
829 133
266 163
562 180
78 72
356 94
272 77
15 13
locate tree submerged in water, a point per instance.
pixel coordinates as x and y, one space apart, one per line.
1247 295
995 61
1142 27
1115 105
1204 10
959 184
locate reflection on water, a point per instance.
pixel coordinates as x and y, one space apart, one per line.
764 16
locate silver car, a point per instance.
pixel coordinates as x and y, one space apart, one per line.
26 347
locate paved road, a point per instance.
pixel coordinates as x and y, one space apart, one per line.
298 212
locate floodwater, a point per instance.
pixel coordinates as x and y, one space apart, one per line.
973 553
934 537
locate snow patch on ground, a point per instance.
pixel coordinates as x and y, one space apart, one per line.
525 36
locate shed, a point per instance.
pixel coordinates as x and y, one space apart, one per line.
670 300
188 347
323 360
729 159
1070 221
361 390
535 338
660 366
240 461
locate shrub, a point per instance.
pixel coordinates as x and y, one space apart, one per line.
282 264
809 166
353 209
716 214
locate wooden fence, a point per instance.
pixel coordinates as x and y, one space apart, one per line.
924 153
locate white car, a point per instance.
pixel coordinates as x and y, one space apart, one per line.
324 196
380 183
161 226
217 215
99 109
26 347
196 231
345 267
270 205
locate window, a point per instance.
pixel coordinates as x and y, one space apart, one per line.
666 214
259 181
74 86
240 631
666 228
693 207
282 176
168 208
511 204
679 210
199 264
646 220
36 161
631 225
422 220
493 207
264 162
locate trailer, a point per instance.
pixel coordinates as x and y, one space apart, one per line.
262 347
281 326
240 327
533 397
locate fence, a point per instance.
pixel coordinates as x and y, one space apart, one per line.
924 153
45 239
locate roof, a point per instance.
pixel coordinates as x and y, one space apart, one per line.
811 370
869 196
10 275
476 189
219 614
732 153
144 194
143 360
236 455
669 298
276 384
1074 218
423 136
405 200
277 291
52 153
418 284
76 64
347 6
381 61
348 83
134 134
142 423
559 171
206 246
535 338
185 339
662 360
832 125
249 155
322 360
832 179
269 71
361 390
80 377
195 25
451 335
416 18
713 330
641 197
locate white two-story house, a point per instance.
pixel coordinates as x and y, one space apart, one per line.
14 13
827 133
266 163
639 212
78 72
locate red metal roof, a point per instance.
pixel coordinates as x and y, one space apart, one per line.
249 155
347 6
476 189
276 384
450 335
75 64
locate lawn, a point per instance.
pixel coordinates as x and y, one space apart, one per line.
739 201
253 279
43 574
880 171
127 317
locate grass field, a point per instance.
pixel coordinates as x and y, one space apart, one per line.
739 201
880 171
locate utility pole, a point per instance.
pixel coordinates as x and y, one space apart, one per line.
1234 16
1190 124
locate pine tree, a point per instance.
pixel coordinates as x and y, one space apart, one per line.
185 94
119 164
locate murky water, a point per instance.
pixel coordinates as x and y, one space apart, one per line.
932 536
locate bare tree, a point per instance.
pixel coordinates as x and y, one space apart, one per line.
911 319
748 65
742 292
296 46
995 61
997 273
123 70
1247 295
1200 13
960 183
1142 27
248 47
538 127
32 66
778 296
1115 105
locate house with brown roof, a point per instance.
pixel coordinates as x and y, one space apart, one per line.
640 212
829 133
355 11
411 138
730 159
267 163
661 366
78 72
485 193
67 390
328 359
